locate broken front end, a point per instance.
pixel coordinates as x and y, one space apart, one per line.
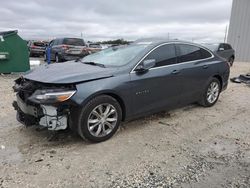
47 105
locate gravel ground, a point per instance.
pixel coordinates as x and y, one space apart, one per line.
188 147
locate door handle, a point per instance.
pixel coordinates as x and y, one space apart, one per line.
205 66
175 72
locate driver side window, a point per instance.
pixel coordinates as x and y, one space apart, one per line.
164 55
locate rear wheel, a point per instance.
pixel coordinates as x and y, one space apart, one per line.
211 93
99 119
30 54
57 58
45 56
231 61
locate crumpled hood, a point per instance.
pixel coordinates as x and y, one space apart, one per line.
68 72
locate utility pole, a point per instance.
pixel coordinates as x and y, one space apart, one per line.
225 38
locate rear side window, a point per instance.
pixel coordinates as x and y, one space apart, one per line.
191 53
41 44
164 55
73 41
205 54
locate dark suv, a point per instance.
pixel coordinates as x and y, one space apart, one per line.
36 48
224 50
66 49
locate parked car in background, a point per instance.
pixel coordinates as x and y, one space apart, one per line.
66 49
94 47
36 48
224 50
92 96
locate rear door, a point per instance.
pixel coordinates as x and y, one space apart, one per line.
195 68
159 87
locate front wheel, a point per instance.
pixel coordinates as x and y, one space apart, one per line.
99 119
211 93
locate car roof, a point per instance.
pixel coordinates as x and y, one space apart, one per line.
67 38
158 41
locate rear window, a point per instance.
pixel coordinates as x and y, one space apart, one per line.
41 44
73 42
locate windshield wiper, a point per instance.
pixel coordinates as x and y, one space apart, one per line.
93 63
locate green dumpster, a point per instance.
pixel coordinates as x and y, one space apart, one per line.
13 53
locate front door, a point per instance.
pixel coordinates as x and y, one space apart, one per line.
158 87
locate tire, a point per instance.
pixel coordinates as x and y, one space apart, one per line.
231 61
98 128
30 54
57 58
45 57
206 101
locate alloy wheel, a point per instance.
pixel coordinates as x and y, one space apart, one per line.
102 120
213 92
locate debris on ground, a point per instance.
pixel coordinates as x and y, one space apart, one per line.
242 79
188 147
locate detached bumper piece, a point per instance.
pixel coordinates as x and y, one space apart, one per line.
242 79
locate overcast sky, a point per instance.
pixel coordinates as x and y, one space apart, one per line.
198 20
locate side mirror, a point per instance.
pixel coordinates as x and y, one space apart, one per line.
145 65
221 49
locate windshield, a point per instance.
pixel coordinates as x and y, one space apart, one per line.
73 42
41 44
115 56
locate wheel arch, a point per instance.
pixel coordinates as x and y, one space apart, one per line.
113 94
220 79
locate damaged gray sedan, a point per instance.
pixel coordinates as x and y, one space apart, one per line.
93 95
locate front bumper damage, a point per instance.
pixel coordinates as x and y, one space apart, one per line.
51 116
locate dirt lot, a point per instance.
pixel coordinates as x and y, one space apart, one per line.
188 147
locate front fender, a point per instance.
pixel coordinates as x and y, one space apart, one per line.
118 87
